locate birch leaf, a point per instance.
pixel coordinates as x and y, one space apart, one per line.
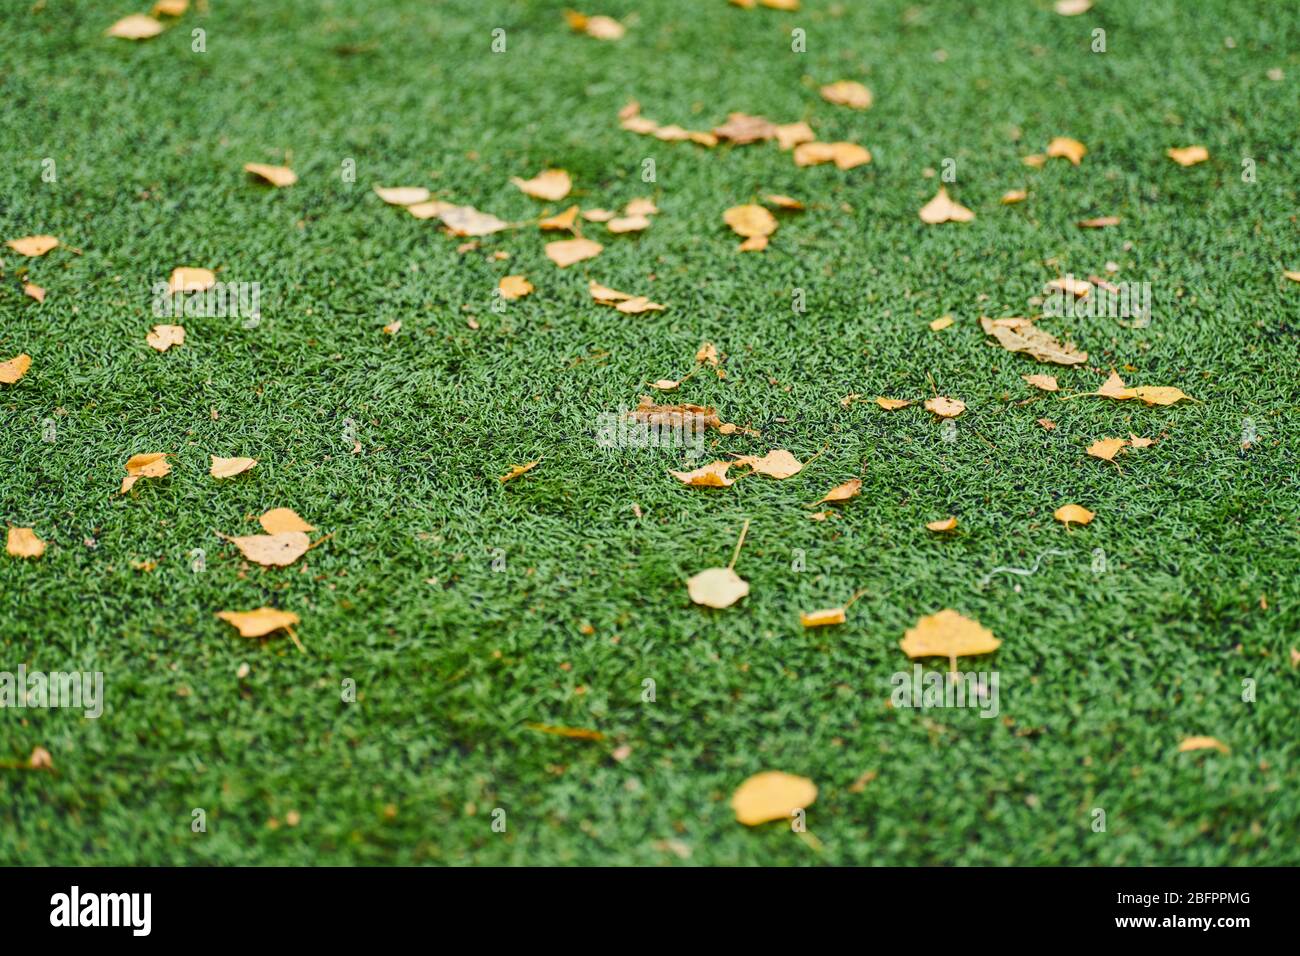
1034 341
712 475
229 467
948 634
565 252
551 185
1073 514
271 550
148 465
23 543
771 795
850 489
278 520
15 368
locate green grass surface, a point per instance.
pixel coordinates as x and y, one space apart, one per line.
1101 674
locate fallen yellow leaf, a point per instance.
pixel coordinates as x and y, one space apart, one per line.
271 550
275 175
148 465
402 195
229 467
943 524
191 279
565 252
261 622
1045 382
15 368
847 93
1076 514
712 475
778 464
514 287
137 26
23 543
892 404
1188 155
943 209
517 470
941 323
750 220
1202 743
948 634
945 407
164 337
32 246
1106 448
850 489
1065 148
771 795
551 185
279 520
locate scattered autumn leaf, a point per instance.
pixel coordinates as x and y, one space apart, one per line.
720 587
850 489
551 185
628 224
229 467
1072 8
1047 424
1136 442
164 337
593 215
573 733
1031 340
514 287
275 175
771 795
943 524
1157 394
271 550
33 291
941 323
847 93
943 209
750 220
753 244
15 368
261 622
782 202
790 135
597 27
778 464
1106 448
1073 514
23 543
1012 196
1045 382
468 221
892 404
641 206
945 407
137 26
948 634
402 195
433 209
1065 148
565 220
190 279
565 252
1101 222
843 155
638 304
279 520
741 129
1188 155
33 246
1202 743
392 328
147 465
823 617
712 475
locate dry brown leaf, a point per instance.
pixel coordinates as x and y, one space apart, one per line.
514 287
891 404
137 26
741 128
941 323
943 209
782 202
943 524
823 617
573 733
1035 160
565 252
1113 387
597 27
753 244
712 475
771 795
33 246
260 622
1031 340
1157 394
821 515
275 175
948 634
147 465
279 520
850 489
1136 442
707 352
689 417
1202 743
468 221
1047 424
1079 288
1188 155
628 224
164 337
190 279
1073 514
1045 382
1065 148
847 93
40 759
271 550
551 185
1106 448
597 215
641 206
1101 222
33 291
1012 196
402 195
23 543
517 470
563 220
229 467
15 368
945 407
638 304
605 295
778 464
750 220
790 135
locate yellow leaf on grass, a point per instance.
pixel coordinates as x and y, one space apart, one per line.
750 220
641 206
402 195
943 209
1106 448
517 470
707 352
468 221
1012 196
565 220
1031 340
638 304
778 464
628 224
191 279
741 128
565 252
551 185
1188 155
712 475
1113 387
15 368
948 634
823 617
1156 394
717 587
271 550
573 733
1045 382
392 328
781 201
850 489
433 209
597 27
170 8
593 215
753 244
941 323
790 135
148 465
1202 743
1072 8
275 175
23 543
1101 222
892 404
32 290
1076 287
32 246
1073 514
260 622
164 337
1136 442
771 795
229 467
1065 148
279 520
943 524
945 407
135 27
514 287
847 93
843 155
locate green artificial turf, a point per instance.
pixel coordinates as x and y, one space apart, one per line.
1101 674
